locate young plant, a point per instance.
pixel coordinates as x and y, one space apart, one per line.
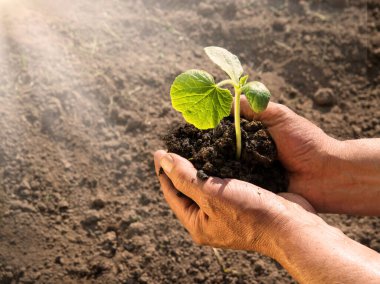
204 103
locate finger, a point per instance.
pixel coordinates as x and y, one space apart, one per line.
159 170
298 199
182 174
184 208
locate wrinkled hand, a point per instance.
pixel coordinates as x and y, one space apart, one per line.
226 213
303 148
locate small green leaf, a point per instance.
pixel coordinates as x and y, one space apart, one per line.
243 80
257 95
202 103
227 61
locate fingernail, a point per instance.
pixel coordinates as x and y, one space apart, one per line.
167 163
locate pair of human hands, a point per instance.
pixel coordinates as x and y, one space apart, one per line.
234 214
326 175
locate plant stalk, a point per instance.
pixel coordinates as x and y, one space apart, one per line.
237 122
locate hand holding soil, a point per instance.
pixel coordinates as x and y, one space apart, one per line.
224 213
229 213
321 168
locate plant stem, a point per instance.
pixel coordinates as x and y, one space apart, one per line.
225 82
236 113
237 122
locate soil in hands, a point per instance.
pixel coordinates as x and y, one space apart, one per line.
213 153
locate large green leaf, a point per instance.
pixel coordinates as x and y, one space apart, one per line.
202 103
227 61
257 95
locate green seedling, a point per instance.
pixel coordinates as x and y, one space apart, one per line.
204 103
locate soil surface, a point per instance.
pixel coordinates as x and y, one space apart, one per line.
84 99
213 152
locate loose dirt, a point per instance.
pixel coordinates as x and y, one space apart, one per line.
84 99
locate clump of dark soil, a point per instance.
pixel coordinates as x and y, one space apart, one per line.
213 151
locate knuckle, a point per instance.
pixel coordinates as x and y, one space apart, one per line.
213 186
283 114
282 109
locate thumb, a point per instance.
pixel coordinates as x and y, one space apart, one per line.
273 115
298 199
182 174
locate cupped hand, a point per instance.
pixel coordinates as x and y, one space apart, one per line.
227 213
303 148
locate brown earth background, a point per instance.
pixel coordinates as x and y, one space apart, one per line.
84 98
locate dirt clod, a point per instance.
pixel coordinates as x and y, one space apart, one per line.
63 205
279 25
205 9
98 203
202 175
324 97
135 228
